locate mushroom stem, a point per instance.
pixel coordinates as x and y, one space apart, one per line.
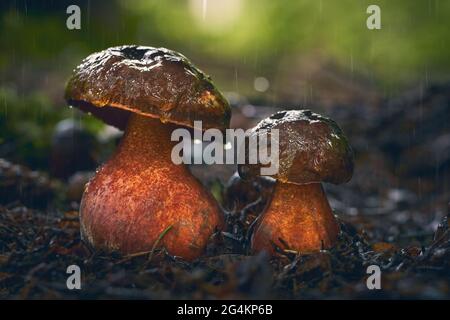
300 216
147 140
140 192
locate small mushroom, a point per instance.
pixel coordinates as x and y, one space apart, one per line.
139 197
312 149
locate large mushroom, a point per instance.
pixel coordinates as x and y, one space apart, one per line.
139 197
312 149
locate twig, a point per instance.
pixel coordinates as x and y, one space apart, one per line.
158 240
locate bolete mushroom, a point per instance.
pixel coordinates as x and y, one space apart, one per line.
312 149
139 193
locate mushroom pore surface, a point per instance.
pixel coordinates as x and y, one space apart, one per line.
140 192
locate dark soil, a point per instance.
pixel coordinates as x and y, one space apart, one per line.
393 214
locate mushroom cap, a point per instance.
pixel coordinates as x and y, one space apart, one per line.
312 148
154 82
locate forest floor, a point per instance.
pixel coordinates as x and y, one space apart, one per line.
393 214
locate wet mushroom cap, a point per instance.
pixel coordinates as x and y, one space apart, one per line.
312 148
154 82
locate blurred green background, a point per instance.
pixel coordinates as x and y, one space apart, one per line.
299 52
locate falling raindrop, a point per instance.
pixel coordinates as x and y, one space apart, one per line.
204 7
236 80
351 63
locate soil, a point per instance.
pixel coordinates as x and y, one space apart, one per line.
394 214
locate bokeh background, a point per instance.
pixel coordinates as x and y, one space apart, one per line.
276 53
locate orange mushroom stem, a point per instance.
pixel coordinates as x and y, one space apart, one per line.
298 216
140 192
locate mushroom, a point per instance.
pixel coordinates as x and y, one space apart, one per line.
139 198
312 149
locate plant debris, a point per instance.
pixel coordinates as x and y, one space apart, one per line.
393 214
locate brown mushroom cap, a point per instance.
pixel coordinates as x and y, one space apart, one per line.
154 82
312 148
